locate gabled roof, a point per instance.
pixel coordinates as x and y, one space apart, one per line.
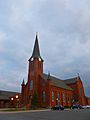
71 80
57 82
4 95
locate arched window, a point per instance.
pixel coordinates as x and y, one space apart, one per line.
64 100
32 68
43 96
59 96
52 96
31 84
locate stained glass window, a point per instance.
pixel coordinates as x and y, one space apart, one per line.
58 96
52 96
31 84
43 96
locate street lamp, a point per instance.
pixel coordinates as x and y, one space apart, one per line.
56 101
16 96
17 100
12 99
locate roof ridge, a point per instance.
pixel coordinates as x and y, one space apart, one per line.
53 76
71 78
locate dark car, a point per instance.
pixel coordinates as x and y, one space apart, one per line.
77 106
58 107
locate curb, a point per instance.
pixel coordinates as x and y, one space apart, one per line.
23 111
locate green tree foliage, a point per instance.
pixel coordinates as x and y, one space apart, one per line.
34 101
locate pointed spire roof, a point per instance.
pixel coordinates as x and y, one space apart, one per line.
36 51
23 83
48 75
78 76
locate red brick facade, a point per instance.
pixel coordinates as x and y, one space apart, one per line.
49 94
78 91
87 101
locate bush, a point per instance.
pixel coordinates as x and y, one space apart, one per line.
67 106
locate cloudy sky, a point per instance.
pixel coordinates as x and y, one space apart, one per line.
64 37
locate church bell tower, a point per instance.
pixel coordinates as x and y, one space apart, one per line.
35 67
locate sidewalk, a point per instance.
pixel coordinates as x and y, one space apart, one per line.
8 110
14 110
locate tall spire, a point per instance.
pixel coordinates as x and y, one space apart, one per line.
48 75
23 83
36 51
78 76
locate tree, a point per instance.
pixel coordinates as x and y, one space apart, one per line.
34 102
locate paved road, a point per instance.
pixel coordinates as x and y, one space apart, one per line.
48 115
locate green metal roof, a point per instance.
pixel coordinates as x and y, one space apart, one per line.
71 80
57 82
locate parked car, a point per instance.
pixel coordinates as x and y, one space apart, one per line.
58 107
86 107
76 106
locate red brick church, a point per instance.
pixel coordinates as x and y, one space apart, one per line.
50 89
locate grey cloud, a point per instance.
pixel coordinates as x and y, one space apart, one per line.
64 32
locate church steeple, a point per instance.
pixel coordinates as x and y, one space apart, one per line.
36 51
23 83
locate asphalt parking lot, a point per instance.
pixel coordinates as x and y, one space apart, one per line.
47 115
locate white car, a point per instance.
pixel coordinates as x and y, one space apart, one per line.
86 107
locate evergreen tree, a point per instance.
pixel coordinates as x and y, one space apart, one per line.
34 101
